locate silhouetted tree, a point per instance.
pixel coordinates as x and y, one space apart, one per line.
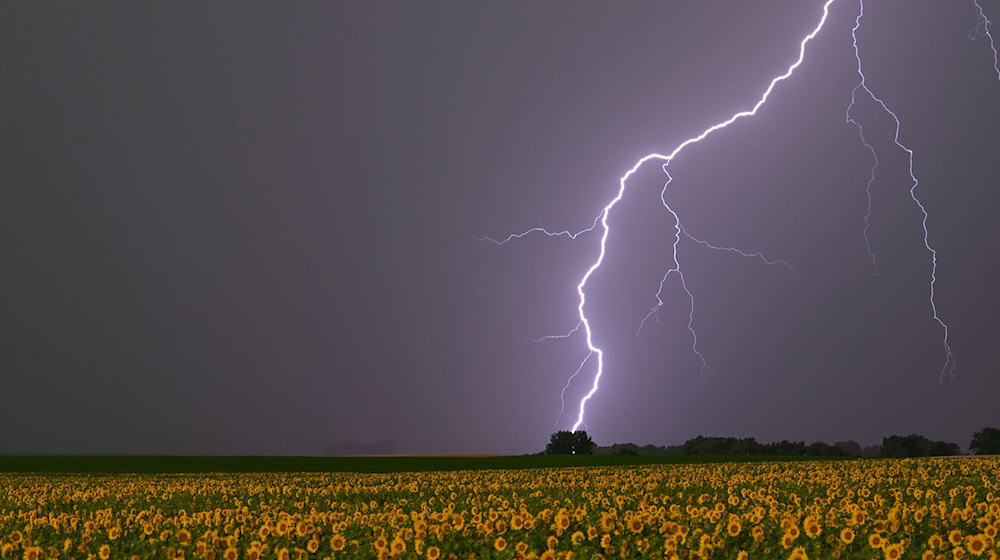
561 443
850 448
702 445
821 449
570 443
916 445
872 451
582 444
985 442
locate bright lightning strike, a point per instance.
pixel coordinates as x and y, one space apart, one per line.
985 23
602 218
949 362
666 159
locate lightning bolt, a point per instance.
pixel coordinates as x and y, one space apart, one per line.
601 220
986 30
949 362
666 159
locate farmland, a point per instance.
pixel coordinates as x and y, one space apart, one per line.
914 508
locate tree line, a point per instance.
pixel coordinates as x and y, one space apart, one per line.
984 442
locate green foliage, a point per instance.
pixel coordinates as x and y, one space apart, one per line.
986 442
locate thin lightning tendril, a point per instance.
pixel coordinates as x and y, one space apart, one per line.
676 269
742 253
875 162
563 336
562 394
565 233
949 362
986 29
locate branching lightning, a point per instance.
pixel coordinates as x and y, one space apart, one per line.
949 362
563 336
564 233
601 221
871 180
740 252
985 23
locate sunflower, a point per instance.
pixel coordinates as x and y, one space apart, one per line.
35 553
577 537
955 537
893 551
433 552
798 553
635 525
733 528
935 541
337 542
103 553
812 528
875 540
230 554
847 535
499 544
976 544
313 545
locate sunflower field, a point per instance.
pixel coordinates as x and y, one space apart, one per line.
863 509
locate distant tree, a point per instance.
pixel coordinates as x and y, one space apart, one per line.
702 445
916 445
943 449
784 447
850 448
913 445
619 449
561 443
582 444
651 450
821 449
570 443
872 451
986 442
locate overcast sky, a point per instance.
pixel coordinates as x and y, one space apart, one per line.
253 228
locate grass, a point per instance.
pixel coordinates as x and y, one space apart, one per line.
67 464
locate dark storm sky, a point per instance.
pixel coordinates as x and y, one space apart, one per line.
253 228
